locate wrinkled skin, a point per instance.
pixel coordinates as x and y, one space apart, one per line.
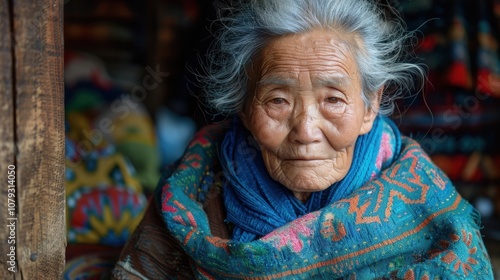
306 109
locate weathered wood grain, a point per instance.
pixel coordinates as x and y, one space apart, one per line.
6 131
38 89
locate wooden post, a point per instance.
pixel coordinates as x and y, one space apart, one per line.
35 127
6 134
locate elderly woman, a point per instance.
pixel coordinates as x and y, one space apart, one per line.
308 179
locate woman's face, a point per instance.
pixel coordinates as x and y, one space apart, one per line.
306 111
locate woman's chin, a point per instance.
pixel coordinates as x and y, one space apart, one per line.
307 183
303 179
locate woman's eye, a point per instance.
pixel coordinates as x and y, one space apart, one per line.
278 101
333 100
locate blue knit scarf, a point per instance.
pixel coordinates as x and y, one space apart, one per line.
257 204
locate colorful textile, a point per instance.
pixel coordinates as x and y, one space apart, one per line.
409 222
99 113
132 133
459 46
257 204
89 262
104 199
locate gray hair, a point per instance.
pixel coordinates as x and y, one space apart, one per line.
247 27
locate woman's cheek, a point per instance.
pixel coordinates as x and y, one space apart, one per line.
334 112
267 130
342 132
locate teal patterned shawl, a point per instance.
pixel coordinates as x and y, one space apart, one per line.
408 222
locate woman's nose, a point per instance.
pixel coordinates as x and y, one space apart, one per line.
306 126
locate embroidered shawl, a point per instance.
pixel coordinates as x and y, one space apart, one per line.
409 222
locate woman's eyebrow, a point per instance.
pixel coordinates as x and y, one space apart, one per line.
332 80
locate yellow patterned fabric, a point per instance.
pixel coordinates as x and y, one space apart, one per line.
105 200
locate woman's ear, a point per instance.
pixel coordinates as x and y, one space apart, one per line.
371 112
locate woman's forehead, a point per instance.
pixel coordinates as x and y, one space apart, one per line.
286 61
318 78
317 50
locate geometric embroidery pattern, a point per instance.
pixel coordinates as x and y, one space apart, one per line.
385 230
